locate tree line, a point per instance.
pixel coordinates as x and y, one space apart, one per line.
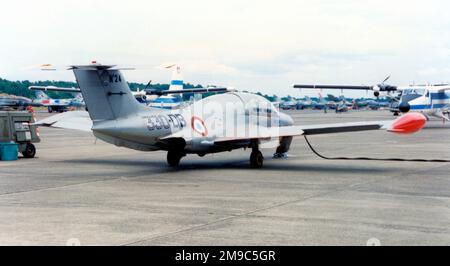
20 88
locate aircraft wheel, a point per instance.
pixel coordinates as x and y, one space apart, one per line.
256 159
30 151
174 158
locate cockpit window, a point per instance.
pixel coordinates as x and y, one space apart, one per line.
414 91
420 91
261 107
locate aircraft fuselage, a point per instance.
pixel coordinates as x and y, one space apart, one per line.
194 128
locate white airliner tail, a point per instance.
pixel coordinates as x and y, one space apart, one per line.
176 82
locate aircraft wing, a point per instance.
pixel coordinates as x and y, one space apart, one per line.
194 90
293 131
53 88
78 120
380 87
408 123
333 87
264 133
345 127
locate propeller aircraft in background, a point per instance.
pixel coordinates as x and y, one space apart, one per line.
430 100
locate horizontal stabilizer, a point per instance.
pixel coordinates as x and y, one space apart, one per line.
78 120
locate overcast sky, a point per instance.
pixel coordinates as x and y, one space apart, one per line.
255 45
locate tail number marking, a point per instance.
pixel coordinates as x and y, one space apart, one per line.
115 78
165 121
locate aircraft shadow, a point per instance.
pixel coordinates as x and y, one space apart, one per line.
271 165
436 127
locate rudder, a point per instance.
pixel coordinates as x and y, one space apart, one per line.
105 92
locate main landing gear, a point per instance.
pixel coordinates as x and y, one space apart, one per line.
283 155
174 158
256 157
282 150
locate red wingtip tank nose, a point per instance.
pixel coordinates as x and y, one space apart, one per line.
408 123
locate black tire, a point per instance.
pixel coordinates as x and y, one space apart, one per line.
50 109
174 158
256 159
30 151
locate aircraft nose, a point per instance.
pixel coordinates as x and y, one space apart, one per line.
404 107
285 120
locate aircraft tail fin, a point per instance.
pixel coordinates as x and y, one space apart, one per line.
176 82
321 99
42 95
105 92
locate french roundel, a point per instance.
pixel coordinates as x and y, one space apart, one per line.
198 126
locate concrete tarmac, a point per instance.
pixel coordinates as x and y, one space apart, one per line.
79 190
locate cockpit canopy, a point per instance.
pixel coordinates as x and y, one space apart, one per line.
415 91
257 105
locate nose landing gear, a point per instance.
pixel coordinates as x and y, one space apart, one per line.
256 157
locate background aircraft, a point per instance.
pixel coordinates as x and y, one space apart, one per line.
170 101
218 123
10 102
303 104
53 105
57 105
430 100
324 104
142 97
307 102
314 104
381 87
289 104
377 104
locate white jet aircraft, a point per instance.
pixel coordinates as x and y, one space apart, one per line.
56 105
218 123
